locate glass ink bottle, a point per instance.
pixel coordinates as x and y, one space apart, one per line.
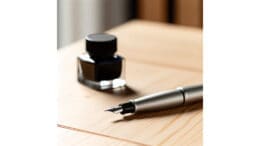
100 67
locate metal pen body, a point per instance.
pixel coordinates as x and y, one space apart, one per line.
169 99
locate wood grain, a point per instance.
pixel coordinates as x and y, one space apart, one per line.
188 12
155 10
155 62
68 137
161 44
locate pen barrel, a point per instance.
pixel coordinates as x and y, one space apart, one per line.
193 93
168 99
159 101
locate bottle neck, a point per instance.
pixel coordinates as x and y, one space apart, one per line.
97 58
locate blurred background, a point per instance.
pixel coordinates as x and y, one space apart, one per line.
77 18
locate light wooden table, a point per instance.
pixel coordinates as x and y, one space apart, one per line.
159 57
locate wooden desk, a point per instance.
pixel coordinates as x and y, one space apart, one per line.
159 57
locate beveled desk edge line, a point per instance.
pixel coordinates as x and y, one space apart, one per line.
100 134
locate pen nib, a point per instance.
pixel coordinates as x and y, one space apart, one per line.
116 109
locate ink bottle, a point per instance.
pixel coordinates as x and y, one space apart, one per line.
100 67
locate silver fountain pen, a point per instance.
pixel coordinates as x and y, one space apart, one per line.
161 100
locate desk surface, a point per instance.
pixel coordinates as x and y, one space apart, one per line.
159 57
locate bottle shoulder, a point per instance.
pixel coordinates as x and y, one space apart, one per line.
86 58
118 57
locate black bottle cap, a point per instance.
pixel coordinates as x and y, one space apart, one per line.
101 45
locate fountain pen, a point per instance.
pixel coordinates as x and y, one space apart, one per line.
160 101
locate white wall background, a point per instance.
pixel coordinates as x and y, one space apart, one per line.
77 18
